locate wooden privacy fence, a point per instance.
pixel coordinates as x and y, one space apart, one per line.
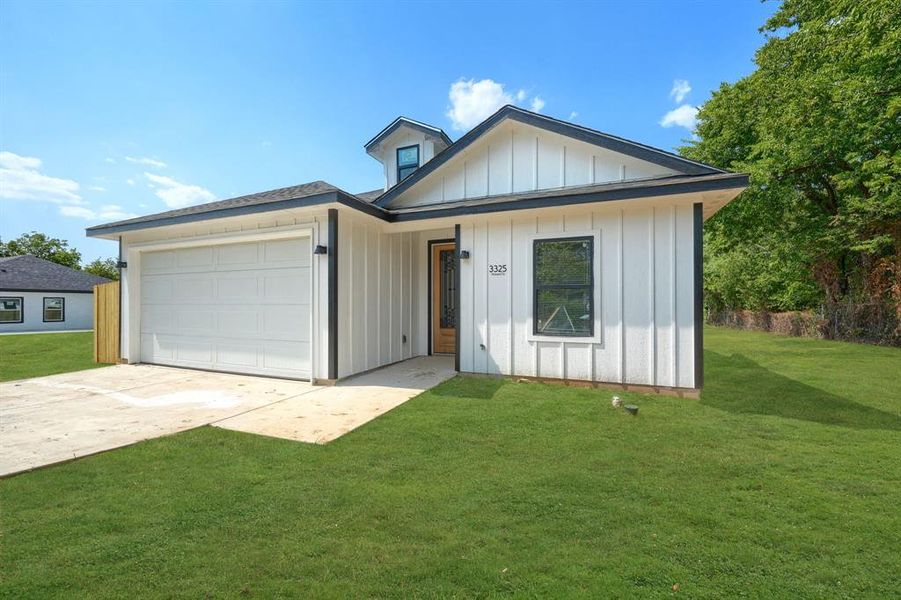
106 322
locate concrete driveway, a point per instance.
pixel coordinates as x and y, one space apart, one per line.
46 420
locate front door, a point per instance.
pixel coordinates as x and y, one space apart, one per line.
444 308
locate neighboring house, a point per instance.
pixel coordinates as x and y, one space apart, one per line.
39 295
528 247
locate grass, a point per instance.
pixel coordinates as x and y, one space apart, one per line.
784 481
36 354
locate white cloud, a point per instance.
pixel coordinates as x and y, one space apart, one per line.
573 115
176 194
111 161
471 101
20 179
681 89
107 212
97 188
131 182
143 160
685 116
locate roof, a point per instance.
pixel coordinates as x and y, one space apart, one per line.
404 121
305 194
591 136
29 273
370 195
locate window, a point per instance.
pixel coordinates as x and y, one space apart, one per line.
563 272
54 310
407 161
10 310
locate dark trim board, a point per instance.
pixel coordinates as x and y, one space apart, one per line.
654 188
400 121
333 294
457 298
699 293
429 245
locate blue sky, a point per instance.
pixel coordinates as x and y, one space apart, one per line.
109 110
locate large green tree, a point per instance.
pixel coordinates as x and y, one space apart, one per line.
818 128
42 246
104 267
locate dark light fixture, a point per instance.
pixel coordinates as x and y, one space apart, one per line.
464 254
320 249
122 264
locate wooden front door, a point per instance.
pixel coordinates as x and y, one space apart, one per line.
444 308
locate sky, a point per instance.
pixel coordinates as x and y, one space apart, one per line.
112 110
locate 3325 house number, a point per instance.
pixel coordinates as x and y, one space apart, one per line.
497 269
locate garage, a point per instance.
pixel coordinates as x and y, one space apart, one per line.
241 307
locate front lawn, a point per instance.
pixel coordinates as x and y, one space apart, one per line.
783 481
37 354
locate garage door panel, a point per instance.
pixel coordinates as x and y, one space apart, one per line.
236 307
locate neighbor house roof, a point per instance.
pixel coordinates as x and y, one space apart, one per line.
29 273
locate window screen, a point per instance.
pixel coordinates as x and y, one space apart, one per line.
564 287
54 310
10 310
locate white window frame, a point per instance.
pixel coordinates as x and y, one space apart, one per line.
62 309
598 337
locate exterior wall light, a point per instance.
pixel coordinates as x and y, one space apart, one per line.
121 264
464 254
320 249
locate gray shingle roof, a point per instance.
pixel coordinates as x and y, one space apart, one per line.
294 192
30 273
370 195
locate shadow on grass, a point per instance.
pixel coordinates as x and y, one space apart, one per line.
739 385
469 387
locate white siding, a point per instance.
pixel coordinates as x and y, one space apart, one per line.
79 312
376 281
516 157
643 296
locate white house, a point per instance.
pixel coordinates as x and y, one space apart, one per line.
39 295
529 247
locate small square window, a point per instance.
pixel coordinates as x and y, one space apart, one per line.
407 161
10 310
563 274
54 310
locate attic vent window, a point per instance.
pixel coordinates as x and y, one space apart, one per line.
407 161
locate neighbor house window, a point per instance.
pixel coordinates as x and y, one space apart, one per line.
10 310
407 161
54 310
563 273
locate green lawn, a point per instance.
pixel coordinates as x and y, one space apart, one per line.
783 481
36 354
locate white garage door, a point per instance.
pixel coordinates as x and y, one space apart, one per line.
243 308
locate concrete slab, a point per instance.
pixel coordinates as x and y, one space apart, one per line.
52 419
331 412
46 420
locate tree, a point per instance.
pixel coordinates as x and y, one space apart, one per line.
42 246
104 267
818 128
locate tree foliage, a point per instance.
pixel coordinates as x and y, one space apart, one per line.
818 128
104 267
42 246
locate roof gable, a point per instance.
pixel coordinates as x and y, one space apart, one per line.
666 160
399 122
30 273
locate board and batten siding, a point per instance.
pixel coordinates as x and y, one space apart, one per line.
644 296
515 158
377 316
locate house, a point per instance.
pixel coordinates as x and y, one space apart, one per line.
529 247
39 295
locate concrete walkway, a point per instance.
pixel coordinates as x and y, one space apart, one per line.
46 420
